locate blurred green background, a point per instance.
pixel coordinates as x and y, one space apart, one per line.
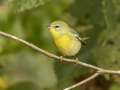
22 68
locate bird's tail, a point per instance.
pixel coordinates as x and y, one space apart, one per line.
82 40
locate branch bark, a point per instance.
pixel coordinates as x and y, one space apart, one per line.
83 82
98 70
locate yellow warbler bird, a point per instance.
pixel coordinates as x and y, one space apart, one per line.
66 39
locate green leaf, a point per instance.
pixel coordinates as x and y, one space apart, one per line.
110 17
107 56
24 86
21 5
31 67
115 86
117 5
87 11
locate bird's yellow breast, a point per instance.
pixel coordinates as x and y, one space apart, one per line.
61 41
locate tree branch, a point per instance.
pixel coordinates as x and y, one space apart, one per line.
83 82
99 70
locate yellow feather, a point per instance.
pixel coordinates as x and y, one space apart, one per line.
61 41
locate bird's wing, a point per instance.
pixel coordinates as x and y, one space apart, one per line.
76 35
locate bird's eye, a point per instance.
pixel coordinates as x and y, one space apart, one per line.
57 26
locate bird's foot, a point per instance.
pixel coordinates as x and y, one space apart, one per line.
61 58
76 61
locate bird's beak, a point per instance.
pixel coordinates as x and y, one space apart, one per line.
48 26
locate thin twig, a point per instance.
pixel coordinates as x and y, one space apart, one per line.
84 81
99 70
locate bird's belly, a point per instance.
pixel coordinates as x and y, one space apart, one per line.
67 45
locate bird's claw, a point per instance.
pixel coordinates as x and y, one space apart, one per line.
61 58
76 61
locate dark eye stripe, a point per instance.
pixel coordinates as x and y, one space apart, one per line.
56 26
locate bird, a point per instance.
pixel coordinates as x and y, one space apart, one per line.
66 40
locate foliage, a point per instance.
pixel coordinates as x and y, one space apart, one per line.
21 67
21 5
